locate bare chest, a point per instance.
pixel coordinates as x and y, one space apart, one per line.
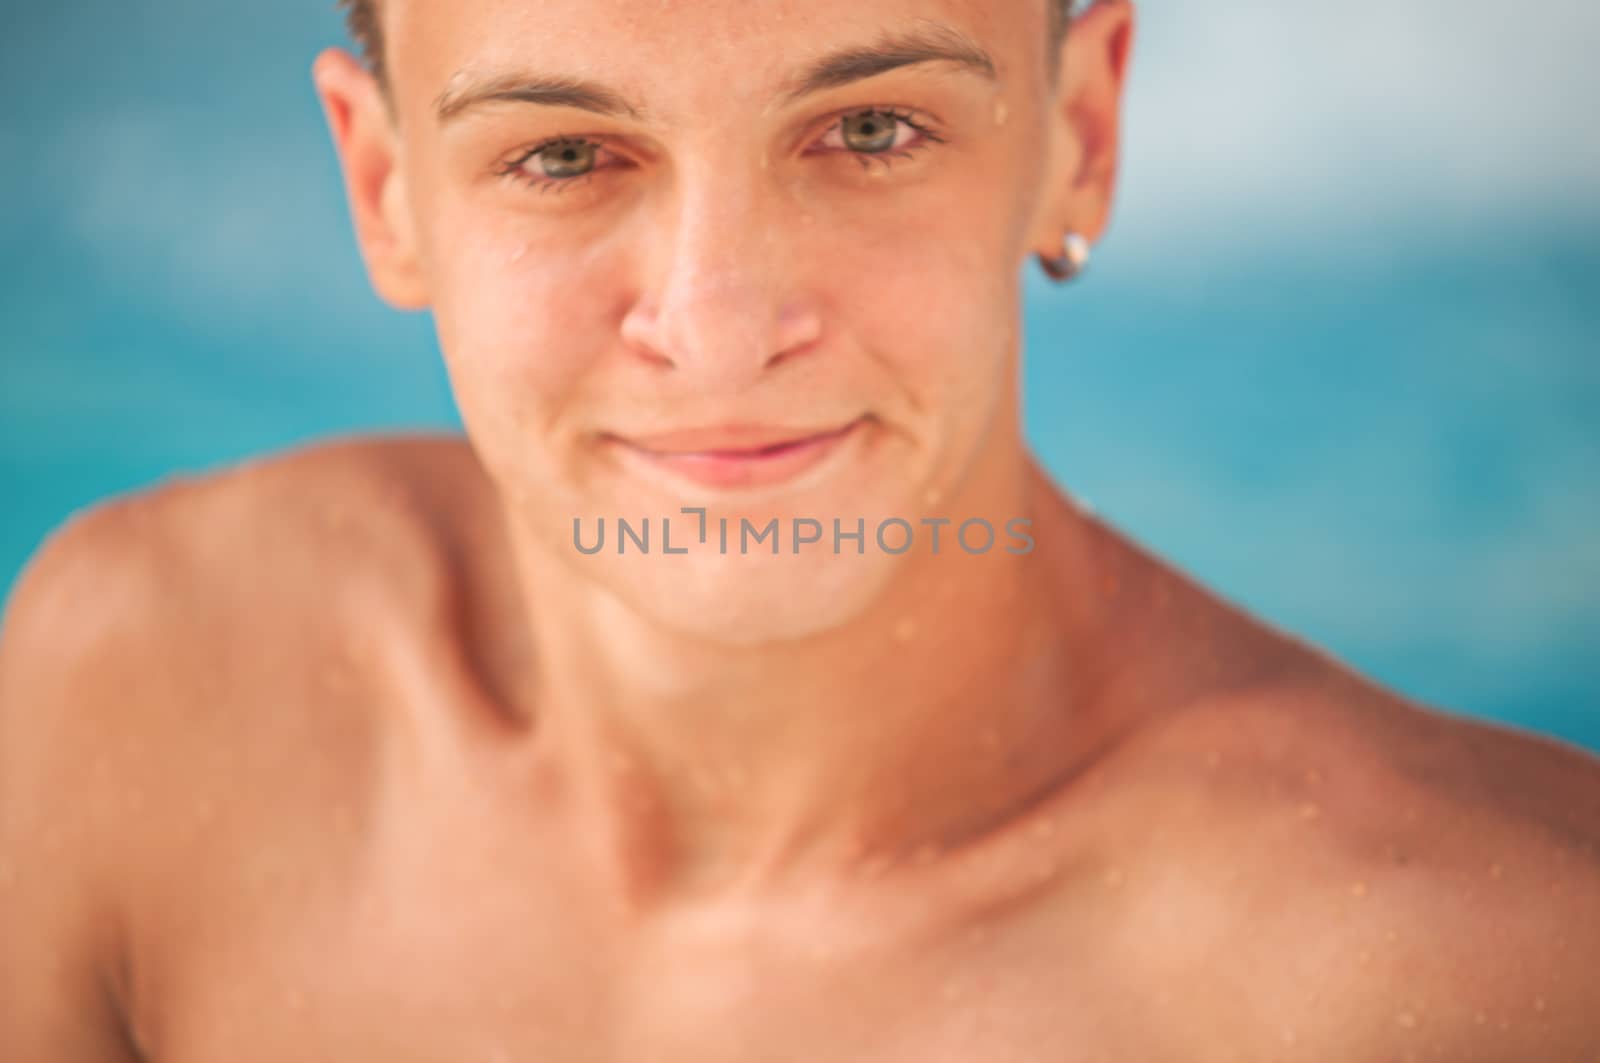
436 953
527 998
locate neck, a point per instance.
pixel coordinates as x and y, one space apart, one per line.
960 698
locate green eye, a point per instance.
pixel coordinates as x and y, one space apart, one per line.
869 132
566 158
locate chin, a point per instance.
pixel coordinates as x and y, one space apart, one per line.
754 599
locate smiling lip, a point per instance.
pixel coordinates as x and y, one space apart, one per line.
738 455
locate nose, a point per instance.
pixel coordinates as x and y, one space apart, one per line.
722 308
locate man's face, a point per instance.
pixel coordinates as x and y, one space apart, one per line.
723 252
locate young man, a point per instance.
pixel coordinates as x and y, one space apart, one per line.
367 752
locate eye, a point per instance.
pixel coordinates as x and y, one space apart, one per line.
566 158
879 132
559 162
874 133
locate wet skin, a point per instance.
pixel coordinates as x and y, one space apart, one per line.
346 754
264 799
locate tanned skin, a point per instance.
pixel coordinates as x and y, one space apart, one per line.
347 754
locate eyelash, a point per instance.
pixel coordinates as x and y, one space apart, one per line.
926 137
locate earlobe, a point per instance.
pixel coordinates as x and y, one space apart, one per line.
1071 262
366 142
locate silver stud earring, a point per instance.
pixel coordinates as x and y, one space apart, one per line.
1073 259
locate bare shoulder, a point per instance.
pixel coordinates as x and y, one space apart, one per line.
175 672
175 570
178 592
1432 882
201 579
378 498
1324 729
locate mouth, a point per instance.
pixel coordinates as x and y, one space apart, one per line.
738 455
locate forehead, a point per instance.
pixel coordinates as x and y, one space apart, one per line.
679 54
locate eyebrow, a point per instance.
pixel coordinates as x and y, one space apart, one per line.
892 50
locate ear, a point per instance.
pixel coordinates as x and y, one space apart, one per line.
1086 125
365 137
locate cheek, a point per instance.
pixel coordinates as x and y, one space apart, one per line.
518 325
934 300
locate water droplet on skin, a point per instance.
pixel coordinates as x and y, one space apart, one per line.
1406 1019
905 630
517 253
1309 811
1480 1018
1364 957
1538 1004
1358 889
1213 759
1001 112
1313 776
1044 828
1494 870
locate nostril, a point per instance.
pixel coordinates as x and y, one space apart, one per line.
724 332
656 358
